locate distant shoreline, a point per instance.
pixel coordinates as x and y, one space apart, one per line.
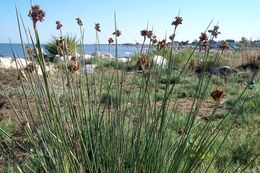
124 50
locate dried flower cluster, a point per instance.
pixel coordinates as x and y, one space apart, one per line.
142 62
73 65
79 21
161 44
172 37
58 25
37 14
31 67
117 33
25 123
150 34
214 32
192 64
144 33
224 45
217 95
203 40
154 40
61 43
178 21
110 40
97 27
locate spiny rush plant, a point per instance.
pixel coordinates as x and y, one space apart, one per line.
112 121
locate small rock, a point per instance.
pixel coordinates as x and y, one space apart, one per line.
101 55
9 63
86 56
223 70
253 66
88 68
159 60
124 59
58 58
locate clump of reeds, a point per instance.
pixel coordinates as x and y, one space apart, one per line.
94 125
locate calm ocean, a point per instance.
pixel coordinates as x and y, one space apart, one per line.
123 50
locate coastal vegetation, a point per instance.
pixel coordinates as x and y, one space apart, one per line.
162 110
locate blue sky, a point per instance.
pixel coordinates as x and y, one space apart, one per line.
236 18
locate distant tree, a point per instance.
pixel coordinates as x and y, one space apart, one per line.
244 42
184 43
195 42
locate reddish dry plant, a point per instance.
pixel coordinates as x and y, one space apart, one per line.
19 75
25 123
154 40
58 25
144 33
172 37
79 21
214 32
161 44
181 131
150 34
192 64
217 95
178 21
31 67
73 58
97 27
203 40
73 65
224 45
61 43
110 40
117 33
37 14
142 61
203 37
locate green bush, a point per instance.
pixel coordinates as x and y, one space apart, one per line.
70 41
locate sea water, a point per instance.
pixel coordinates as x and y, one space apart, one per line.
122 49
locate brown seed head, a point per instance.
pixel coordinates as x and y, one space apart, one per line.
97 27
117 33
110 40
30 68
37 14
154 40
172 37
150 34
161 44
178 21
79 21
25 123
73 66
217 94
58 25
203 37
192 64
73 58
142 61
144 33
214 32
224 45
